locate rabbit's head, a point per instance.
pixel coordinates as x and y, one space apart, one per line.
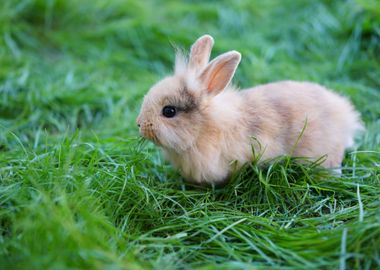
176 110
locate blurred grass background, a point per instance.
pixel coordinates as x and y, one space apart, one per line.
77 191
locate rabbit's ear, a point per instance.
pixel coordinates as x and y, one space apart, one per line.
200 52
219 72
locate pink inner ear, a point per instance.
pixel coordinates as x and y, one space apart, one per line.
220 76
219 72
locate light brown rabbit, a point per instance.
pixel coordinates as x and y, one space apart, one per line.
207 129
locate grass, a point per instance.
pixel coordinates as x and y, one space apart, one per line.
78 190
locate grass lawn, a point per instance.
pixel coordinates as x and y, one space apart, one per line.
78 190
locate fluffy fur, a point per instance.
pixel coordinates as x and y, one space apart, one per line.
216 126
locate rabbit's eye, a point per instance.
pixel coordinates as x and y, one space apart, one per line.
169 111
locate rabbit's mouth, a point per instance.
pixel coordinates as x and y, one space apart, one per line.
149 134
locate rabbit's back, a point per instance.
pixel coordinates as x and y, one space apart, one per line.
301 119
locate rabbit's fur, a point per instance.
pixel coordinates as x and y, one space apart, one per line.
217 129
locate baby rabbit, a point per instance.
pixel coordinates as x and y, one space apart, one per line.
207 129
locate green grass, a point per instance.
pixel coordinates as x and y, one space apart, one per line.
78 190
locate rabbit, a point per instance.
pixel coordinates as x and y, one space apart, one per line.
207 129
